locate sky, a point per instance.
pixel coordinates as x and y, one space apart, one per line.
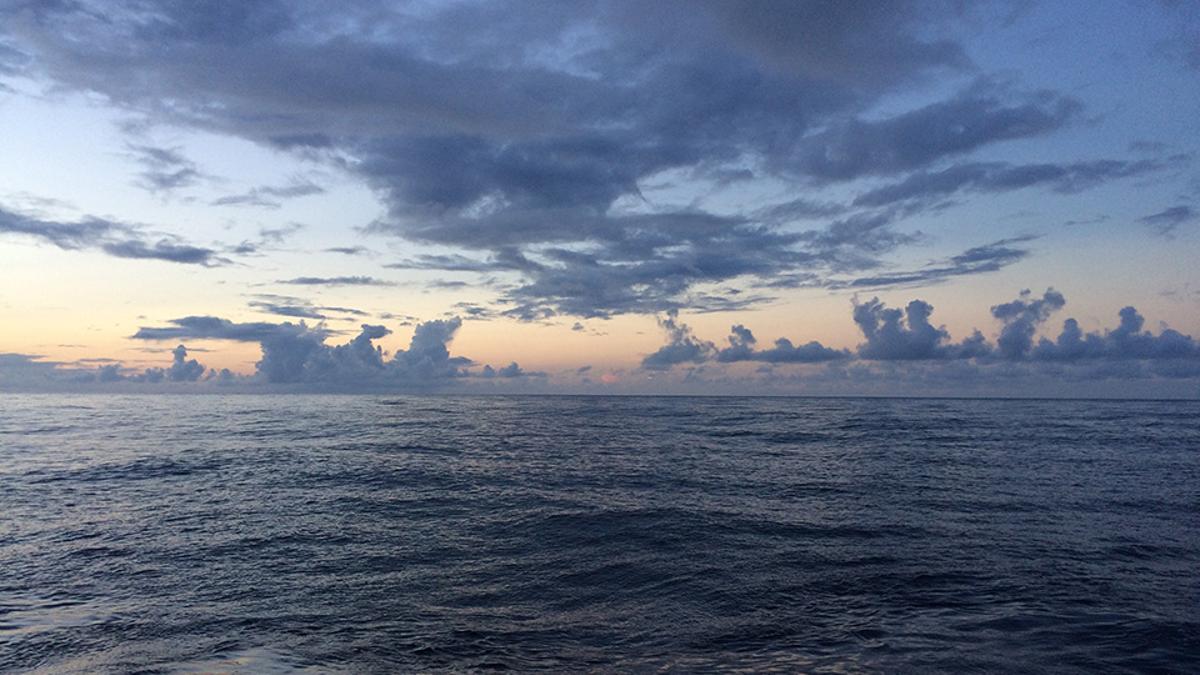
754 197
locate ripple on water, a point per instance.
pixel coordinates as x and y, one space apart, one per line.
377 534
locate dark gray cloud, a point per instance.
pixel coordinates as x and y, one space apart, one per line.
86 233
215 328
801 209
510 371
1165 222
182 369
742 348
903 346
290 357
298 354
682 346
907 335
993 177
18 370
30 371
974 118
842 41
529 156
1021 318
1126 341
164 249
116 239
976 260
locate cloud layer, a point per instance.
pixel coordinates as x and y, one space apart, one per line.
528 138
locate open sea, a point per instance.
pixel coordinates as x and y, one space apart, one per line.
396 534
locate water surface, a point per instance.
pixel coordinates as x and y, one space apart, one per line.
372 534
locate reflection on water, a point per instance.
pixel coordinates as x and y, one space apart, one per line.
272 534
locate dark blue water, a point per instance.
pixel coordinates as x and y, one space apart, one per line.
361 534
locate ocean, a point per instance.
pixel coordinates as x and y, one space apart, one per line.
443 533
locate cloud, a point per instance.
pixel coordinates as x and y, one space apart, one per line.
286 305
268 238
292 307
166 250
215 328
682 346
1021 318
976 117
1164 223
290 357
993 177
904 349
298 354
534 161
86 233
164 169
181 369
349 250
18 370
907 335
976 260
742 348
1126 341
335 281
116 239
510 371
29 371
270 196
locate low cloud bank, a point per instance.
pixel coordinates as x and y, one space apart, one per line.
296 353
293 354
895 335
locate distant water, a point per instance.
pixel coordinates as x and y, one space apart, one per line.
372 534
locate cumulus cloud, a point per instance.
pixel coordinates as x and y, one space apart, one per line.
904 349
1126 341
906 335
298 354
182 369
1021 318
742 348
682 345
